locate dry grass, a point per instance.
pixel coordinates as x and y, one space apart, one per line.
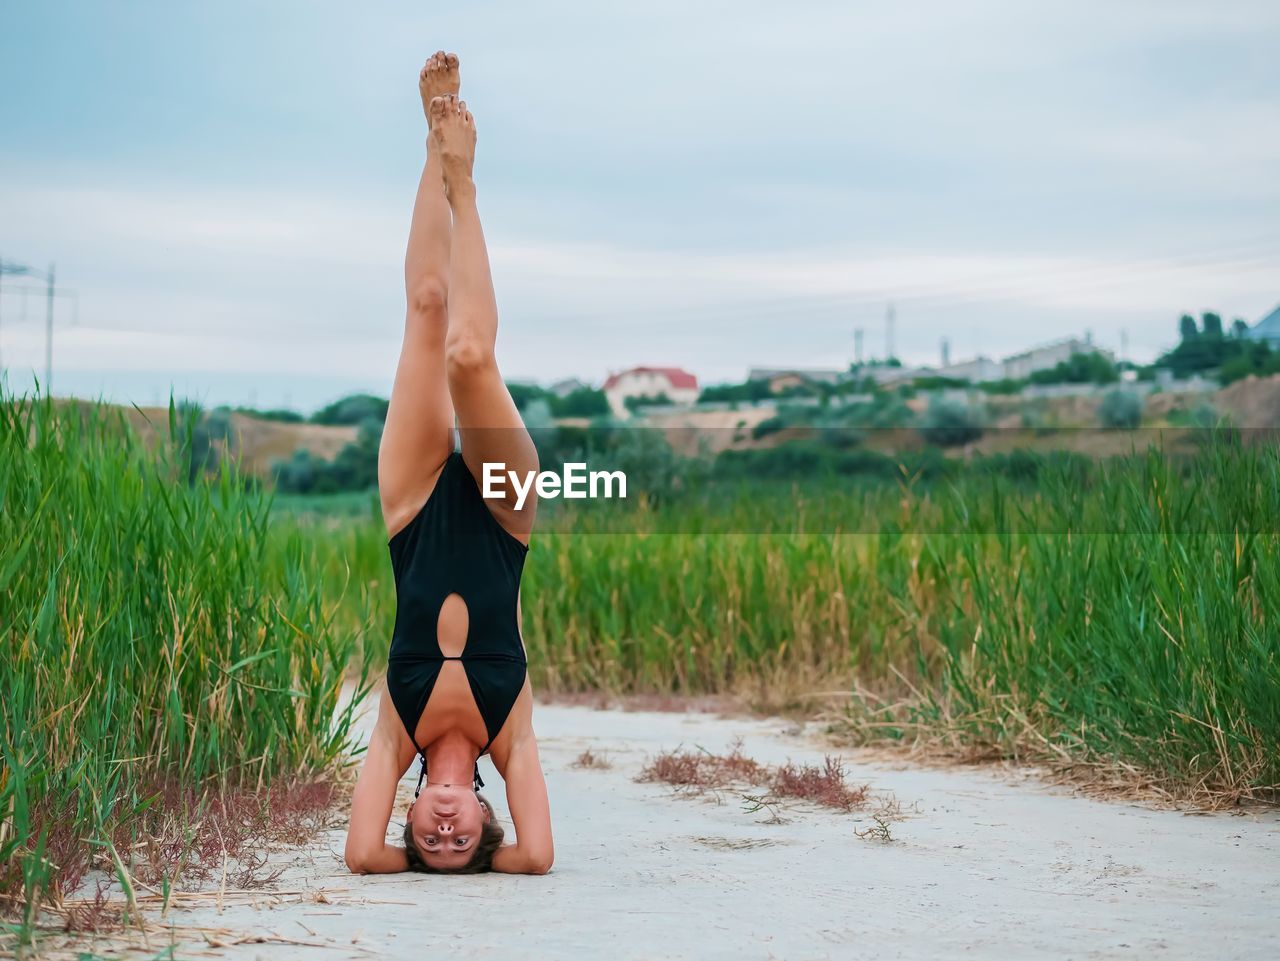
224 845
878 725
823 785
702 772
592 760
150 933
696 772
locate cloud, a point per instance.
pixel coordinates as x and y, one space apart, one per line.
716 185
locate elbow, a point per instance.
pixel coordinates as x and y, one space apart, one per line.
540 865
355 860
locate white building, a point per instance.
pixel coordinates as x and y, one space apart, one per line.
889 376
977 371
678 386
1020 366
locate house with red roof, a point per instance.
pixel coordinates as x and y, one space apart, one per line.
678 386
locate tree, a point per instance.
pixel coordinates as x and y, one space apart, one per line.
1079 368
751 390
1239 328
583 402
523 394
1202 349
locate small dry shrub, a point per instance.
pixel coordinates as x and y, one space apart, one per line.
697 771
590 759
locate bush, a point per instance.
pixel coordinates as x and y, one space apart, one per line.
1121 409
1037 420
281 414
353 409
750 391
1005 386
355 467
646 400
768 426
948 423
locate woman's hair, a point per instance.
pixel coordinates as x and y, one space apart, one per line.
491 835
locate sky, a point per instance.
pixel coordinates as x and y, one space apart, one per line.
225 188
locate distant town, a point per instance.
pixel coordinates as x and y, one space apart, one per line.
1061 367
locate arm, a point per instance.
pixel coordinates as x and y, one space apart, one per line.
533 851
367 851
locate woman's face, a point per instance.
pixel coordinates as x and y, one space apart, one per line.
446 824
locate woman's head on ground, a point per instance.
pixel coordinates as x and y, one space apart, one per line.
451 830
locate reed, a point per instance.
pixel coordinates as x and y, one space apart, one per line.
162 644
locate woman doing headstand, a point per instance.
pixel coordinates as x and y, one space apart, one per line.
457 683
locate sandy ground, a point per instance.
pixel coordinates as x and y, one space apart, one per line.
989 865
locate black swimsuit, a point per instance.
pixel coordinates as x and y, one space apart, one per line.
454 545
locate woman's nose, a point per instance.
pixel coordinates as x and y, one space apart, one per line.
446 828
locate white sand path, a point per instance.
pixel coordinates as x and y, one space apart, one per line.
986 868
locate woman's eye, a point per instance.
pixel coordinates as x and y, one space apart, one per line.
460 842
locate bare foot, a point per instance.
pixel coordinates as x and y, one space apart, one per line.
438 77
453 137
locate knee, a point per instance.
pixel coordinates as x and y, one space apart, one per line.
428 299
466 357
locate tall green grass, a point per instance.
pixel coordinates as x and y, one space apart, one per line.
156 632
1124 614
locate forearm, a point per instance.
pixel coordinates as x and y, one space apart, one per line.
511 859
389 859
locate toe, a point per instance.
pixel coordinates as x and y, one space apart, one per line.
450 59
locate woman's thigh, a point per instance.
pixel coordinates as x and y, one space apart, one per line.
418 434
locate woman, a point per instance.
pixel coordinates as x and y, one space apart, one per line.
457 679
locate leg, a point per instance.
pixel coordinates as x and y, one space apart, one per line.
416 438
491 427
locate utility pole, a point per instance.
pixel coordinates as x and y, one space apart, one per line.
857 346
888 334
48 336
51 291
